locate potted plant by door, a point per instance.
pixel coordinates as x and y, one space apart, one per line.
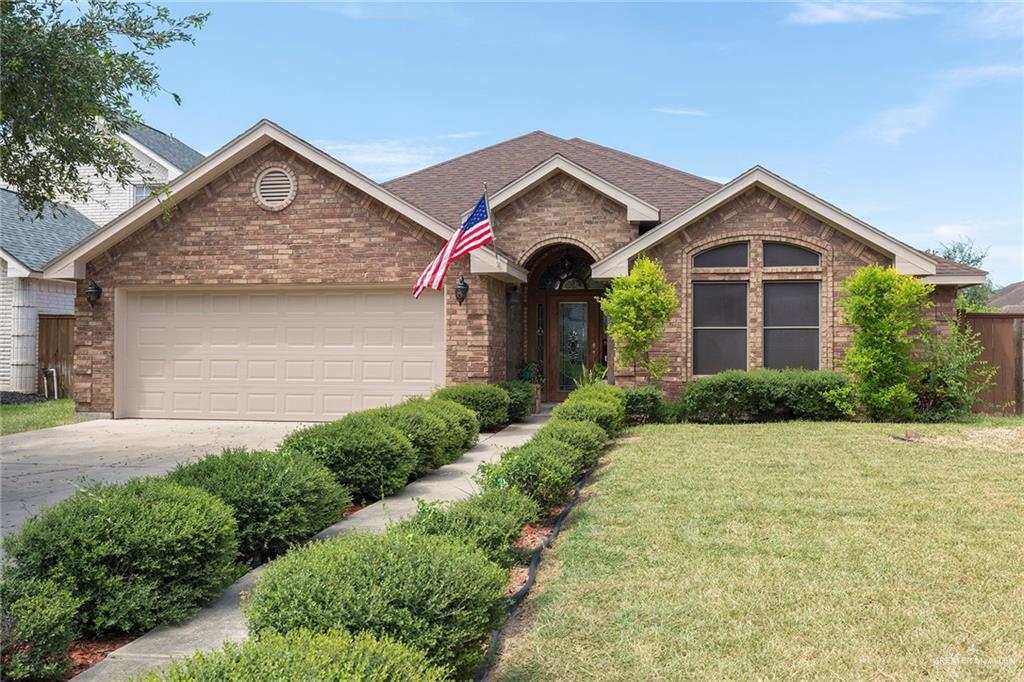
533 374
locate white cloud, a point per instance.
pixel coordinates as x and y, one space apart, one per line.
384 159
459 136
812 13
893 125
995 19
678 111
953 231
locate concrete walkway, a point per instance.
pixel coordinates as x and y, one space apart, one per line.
223 620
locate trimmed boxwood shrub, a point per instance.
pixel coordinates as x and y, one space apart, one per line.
587 437
606 413
521 396
37 623
428 434
599 391
278 499
762 395
533 470
491 521
137 554
433 593
465 416
365 454
489 402
644 405
304 655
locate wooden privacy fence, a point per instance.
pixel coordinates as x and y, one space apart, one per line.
56 351
1002 337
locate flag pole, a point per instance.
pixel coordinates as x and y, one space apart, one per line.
490 216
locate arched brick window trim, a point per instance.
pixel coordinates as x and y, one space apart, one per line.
755 274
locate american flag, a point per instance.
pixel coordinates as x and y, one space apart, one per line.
474 233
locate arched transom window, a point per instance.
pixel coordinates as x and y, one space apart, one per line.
570 272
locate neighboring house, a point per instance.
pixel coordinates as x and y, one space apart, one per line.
28 242
1009 299
281 286
163 158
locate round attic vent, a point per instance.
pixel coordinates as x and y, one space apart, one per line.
275 188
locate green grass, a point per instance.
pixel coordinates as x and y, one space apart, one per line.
787 551
33 416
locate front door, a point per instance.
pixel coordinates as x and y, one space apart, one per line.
574 342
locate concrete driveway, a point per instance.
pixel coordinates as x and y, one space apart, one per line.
39 468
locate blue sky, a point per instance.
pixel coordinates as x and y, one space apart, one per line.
908 115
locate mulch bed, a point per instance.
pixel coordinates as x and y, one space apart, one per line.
85 653
529 540
15 398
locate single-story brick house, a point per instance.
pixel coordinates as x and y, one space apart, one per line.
280 287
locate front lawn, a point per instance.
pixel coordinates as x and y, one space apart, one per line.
787 551
33 416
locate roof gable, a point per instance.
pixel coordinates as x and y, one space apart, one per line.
72 262
637 210
906 259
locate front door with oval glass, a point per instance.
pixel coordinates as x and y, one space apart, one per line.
565 319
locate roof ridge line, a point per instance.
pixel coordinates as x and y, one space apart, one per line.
471 153
661 166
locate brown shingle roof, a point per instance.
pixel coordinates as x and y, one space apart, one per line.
450 187
1010 298
945 266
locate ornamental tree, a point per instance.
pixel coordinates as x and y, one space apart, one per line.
68 73
885 311
638 306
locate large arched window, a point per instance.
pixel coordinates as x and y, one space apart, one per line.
727 256
570 272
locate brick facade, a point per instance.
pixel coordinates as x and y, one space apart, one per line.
561 210
758 216
331 234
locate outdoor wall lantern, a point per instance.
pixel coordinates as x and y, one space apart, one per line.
93 292
461 290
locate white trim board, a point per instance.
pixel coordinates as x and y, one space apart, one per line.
637 210
71 264
905 259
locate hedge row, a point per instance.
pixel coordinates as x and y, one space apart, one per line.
762 395
435 582
130 556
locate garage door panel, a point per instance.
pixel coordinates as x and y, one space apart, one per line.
314 355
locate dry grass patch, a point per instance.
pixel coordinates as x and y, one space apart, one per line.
1009 440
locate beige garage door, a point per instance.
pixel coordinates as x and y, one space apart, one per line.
289 355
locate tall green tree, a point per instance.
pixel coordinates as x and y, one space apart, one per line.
69 73
638 306
966 252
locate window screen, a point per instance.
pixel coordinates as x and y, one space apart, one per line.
777 255
719 326
791 325
728 256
